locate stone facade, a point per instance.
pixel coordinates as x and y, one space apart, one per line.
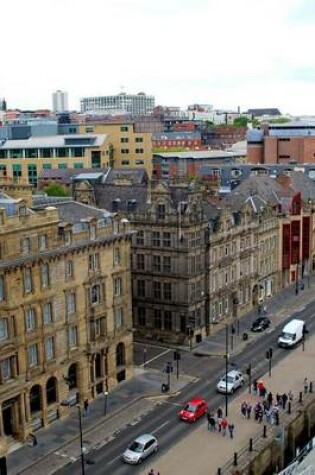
65 312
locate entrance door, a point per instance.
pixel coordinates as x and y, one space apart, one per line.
7 416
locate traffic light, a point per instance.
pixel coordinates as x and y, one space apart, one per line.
248 370
169 368
269 354
176 355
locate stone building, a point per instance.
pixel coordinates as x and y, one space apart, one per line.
65 308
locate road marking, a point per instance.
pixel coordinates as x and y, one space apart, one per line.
114 459
155 357
160 427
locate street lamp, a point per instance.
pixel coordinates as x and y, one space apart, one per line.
81 438
226 366
105 402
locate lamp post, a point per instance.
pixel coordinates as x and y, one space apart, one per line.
144 358
105 402
81 438
226 366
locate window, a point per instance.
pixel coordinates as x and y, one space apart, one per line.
117 286
160 212
70 296
157 290
123 128
69 270
2 292
124 140
26 245
3 329
141 316
61 153
44 274
167 264
139 139
6 369
139 162
30 321
141 288
167 320
157 318
117 257
67 238
27 280
89 129
95 294
140 238
118 317
124 150
157 263
139 150
42 241
167 291
140 262
72 337
125 162
32 355
47 313
49 349
156 238
167 239
94 262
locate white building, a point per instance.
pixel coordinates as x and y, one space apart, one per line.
133 104
60 101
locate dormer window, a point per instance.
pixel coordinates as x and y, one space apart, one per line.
160 211
132 205
116 205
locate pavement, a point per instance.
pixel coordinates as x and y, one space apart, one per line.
132 400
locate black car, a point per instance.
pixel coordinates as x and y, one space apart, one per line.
260 324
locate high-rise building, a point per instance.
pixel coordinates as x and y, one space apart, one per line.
60 101
134 104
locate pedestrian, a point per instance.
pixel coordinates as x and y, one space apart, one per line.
305 384
284 400
248 411
269 399
260 385
219 422
86 407
224 425
263 391
290 395
259 309
279 399
211 421
269 416
219 413
231 429
255 387
244 409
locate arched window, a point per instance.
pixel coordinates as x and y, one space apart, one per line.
51 390
120 354
35 398
72 376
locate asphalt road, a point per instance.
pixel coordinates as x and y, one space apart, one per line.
163 421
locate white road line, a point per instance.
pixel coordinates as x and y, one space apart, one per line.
160 427
114 460
155 357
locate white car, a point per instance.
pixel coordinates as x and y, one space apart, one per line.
140 449
234 380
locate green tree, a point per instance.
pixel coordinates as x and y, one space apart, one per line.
241 121
56 189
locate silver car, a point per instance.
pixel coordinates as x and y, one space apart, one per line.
234 380
140 449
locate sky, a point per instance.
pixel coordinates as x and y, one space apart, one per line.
226 53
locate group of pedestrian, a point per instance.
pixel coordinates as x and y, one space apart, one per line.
219 423
259 388
246 410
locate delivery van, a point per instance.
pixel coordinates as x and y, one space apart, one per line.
292 333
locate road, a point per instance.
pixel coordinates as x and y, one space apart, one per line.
163 421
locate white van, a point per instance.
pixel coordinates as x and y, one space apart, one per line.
292 333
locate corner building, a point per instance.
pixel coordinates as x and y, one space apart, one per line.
65 310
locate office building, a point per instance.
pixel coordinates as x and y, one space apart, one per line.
120 104
60 102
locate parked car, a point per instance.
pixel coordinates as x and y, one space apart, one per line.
234 380
140 449
194 409
260 324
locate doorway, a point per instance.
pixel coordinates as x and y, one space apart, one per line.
7 416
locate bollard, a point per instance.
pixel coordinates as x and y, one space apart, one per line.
289 407
219 471
250 445
311 386
300 396
235 459
265 432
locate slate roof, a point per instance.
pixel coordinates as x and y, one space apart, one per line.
108 194
73 212
138 176
64 175
260 112
299 181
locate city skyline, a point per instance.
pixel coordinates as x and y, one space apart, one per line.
191 51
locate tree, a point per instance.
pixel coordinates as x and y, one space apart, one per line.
241 121
56 189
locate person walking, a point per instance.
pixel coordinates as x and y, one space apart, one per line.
244 409
305 385
231 429
219 413
86 407
219 422
248 411
224 425
211 421
270 399
284 400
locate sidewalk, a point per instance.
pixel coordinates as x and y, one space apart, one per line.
204 452
58 443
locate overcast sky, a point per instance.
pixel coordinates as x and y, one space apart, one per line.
223 52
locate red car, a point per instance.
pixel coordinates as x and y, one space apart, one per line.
194 409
